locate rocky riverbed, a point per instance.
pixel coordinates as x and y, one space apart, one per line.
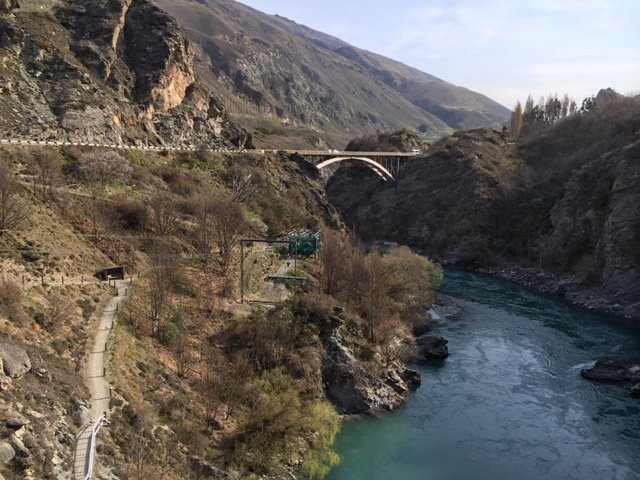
567 287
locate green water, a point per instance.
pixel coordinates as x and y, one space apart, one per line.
509 403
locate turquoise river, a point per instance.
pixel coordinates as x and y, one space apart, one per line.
509 403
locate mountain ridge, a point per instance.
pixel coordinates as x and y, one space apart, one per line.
298 76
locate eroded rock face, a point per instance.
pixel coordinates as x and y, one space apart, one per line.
159 55
135 47
15 361
138 86
357 388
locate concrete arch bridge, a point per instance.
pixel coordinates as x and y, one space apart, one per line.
386 165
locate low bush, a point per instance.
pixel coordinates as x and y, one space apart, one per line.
169 334
11 297
129 214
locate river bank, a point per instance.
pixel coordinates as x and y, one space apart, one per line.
566 287
509 402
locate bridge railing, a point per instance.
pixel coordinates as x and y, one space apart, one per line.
91 448
193 148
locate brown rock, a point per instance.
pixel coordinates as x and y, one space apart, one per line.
15 361
7 5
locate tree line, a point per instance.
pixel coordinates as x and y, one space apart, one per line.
535 117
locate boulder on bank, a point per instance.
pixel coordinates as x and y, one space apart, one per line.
14 360
431 346
615 371
411 378
612 370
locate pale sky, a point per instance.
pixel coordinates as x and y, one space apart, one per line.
504 49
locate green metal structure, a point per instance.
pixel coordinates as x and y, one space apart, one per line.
304 243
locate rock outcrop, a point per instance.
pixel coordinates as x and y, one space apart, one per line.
431 346
611 370
7 5
14 360
205 469
356 387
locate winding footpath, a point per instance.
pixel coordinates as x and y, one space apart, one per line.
97 381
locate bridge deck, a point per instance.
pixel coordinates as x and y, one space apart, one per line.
346 153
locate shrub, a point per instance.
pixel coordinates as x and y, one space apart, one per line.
177 181
169 334
277 414
11 297
130 214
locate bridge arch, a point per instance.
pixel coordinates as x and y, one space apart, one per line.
372 164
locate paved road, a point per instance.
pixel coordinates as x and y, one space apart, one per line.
193 148
97 380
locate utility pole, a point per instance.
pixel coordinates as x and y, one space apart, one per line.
295 257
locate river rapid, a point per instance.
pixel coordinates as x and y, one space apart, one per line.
509 403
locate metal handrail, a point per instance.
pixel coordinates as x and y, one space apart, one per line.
91 447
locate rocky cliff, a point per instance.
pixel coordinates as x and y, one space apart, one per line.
170 72
563 205
111 72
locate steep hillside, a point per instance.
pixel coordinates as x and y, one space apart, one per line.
196 382
565 201
277 71
104 72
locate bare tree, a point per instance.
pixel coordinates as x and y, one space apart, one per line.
59 307
241 187
228 219
164 217
182 352
47 173
13 211
375 298
98 168
95 214
516 120
203 236
150 306
357 273
333 262
211 387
